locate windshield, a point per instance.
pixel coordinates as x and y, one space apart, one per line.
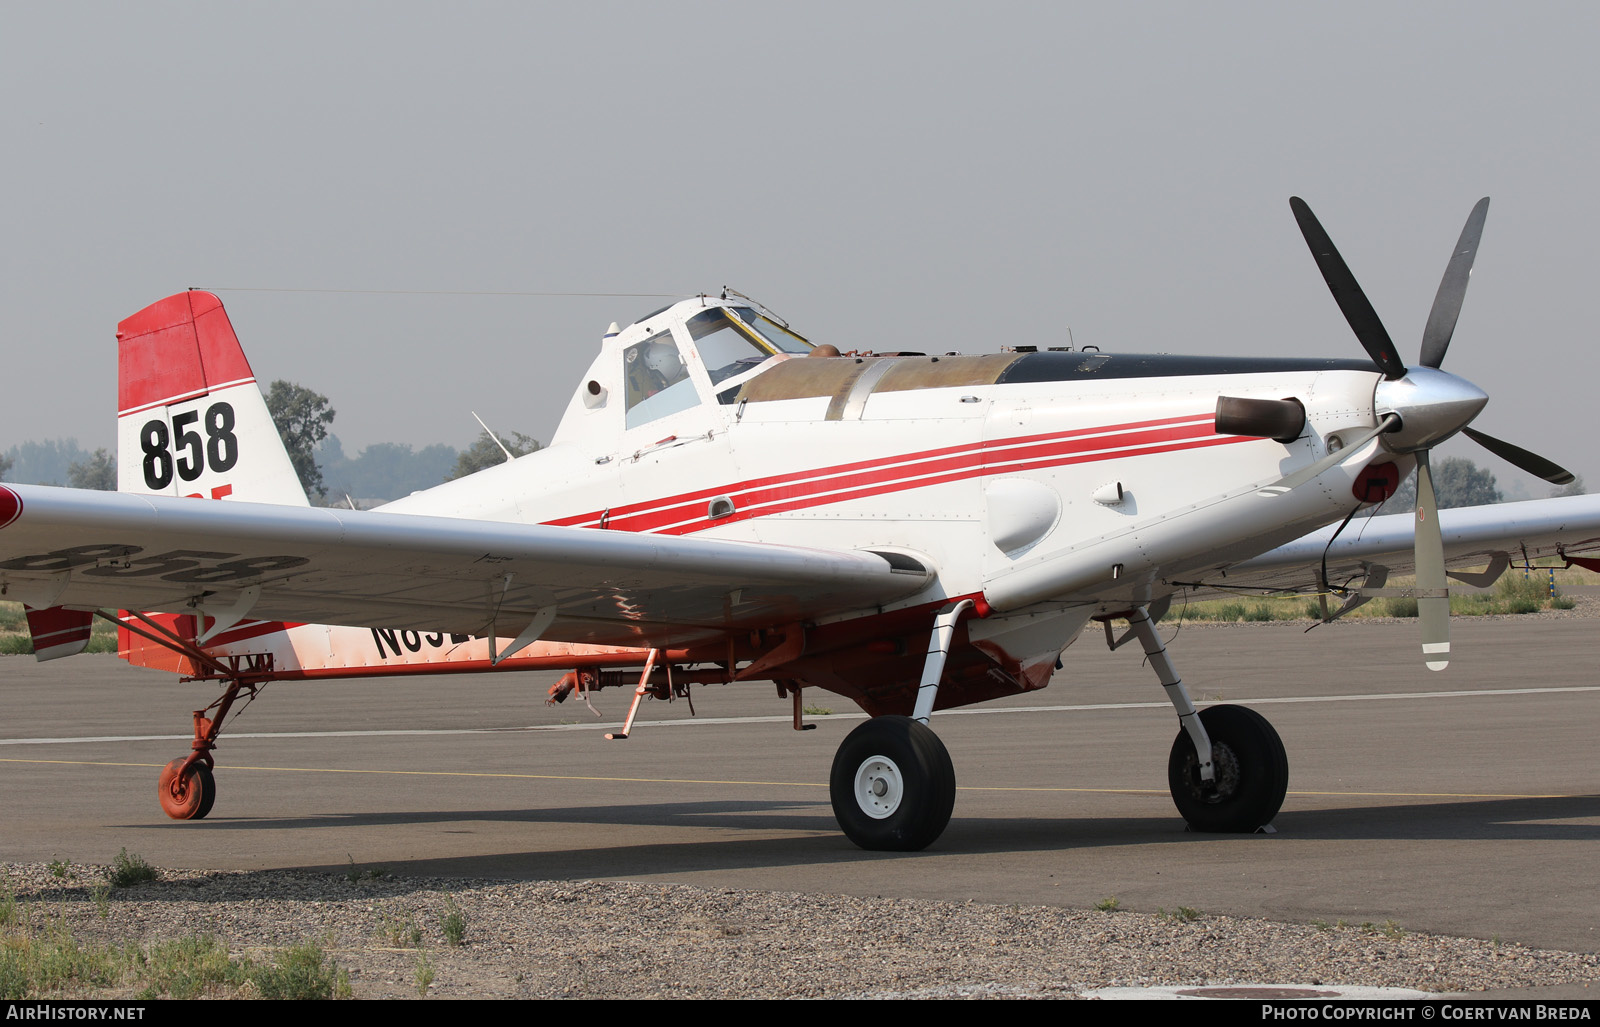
781 339
733 347
724 349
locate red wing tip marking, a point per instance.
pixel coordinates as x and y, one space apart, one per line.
10 506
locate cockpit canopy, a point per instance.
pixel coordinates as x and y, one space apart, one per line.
694 355
733 344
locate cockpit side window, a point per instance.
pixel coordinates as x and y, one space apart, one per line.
657 380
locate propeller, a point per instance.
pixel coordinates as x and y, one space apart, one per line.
1429 404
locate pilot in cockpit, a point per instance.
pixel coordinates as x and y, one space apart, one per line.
652 367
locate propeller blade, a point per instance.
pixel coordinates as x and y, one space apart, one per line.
1453 289
1533 463
1433 596
1347 293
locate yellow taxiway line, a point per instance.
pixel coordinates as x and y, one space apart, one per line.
783 784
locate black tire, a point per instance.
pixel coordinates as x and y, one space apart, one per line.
208 790
1252 773
892 785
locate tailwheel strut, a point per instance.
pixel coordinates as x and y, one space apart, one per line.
187 788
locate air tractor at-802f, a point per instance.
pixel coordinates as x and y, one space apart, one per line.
726 502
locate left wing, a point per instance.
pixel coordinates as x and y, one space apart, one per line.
90 550
1473 536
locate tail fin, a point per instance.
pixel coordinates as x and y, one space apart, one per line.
190 418
190 422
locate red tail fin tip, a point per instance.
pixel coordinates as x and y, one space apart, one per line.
176 348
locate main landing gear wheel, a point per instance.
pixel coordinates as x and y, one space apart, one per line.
893 785
1252 773
191 798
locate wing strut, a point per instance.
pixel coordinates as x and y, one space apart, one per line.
638 694
944 629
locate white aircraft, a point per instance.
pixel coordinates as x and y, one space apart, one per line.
724 501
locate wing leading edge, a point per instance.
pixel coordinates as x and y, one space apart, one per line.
1472 536
70 548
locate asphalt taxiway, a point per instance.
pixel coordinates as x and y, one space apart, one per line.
1465 802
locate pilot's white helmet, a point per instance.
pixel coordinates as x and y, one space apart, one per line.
662 358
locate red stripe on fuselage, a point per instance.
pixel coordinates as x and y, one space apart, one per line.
974 472
684 514
880 463
987 460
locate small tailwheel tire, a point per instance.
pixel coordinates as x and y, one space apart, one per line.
893 785
1252 773
188 799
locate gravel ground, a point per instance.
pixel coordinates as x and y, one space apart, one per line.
588 939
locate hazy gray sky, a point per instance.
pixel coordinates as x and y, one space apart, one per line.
918 175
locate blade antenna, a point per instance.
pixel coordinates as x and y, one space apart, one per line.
493 437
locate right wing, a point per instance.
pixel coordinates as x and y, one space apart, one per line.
1473 536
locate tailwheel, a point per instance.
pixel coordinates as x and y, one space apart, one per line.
893 785
186 795
1251 773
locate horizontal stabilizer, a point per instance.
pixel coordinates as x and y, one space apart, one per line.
57 632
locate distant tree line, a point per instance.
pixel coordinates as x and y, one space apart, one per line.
486 452
1459 482
59 462
381 471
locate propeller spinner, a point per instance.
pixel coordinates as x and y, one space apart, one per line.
1430 404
